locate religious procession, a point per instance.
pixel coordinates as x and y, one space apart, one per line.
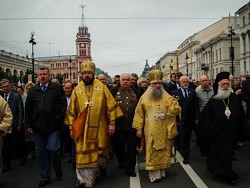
96 121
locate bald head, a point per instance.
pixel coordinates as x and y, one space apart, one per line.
55 80
204 80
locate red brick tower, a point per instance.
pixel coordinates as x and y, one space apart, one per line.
83 44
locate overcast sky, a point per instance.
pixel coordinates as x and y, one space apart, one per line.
118 45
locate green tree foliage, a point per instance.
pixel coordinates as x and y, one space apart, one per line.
14 79
25 77
59 76
8 75
2 74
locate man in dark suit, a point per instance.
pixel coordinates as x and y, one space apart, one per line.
245 95
171 85
14 142
67 143
44 113
189 115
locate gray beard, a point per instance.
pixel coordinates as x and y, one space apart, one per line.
222 94
155 93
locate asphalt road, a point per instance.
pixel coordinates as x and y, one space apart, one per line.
178 176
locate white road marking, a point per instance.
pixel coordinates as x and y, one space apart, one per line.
135 181
191 173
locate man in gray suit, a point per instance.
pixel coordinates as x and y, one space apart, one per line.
15 140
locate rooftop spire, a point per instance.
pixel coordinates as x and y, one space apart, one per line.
82 21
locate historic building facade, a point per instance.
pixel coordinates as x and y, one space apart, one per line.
168 64
244 26
83 47
188 50
218 47
214 56
68 67
61 67
15 67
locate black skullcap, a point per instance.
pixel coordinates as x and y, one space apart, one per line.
220 76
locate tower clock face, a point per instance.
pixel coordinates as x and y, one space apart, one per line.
82 45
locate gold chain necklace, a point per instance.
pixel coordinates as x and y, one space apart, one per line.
89 92
227 110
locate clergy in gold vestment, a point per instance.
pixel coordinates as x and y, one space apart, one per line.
91 116
5 124
155 114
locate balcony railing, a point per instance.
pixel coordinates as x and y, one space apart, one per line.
204 67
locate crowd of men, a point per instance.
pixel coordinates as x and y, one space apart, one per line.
94 120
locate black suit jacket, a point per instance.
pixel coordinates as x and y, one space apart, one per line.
16 105
245 94
170 87
44 112
189 106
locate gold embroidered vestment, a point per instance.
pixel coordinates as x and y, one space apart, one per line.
101 108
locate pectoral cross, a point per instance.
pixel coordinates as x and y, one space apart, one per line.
97 89
86 103
90 103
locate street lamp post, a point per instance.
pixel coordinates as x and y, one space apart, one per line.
230 34
32 41
186 58
70 68
170 68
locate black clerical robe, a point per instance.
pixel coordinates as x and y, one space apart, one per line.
218 134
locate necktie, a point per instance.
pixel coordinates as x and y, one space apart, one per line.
6 97
43 87
185 93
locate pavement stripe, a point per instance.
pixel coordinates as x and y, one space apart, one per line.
191 173
135 181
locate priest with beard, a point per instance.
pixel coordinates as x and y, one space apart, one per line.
155 117
91 118
220 124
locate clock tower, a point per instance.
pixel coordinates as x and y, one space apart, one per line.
83 44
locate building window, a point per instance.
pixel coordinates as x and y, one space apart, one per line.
245 68
216 56
220 54
244 45
212 57
243 21
248 18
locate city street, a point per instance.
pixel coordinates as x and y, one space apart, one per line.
179 175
